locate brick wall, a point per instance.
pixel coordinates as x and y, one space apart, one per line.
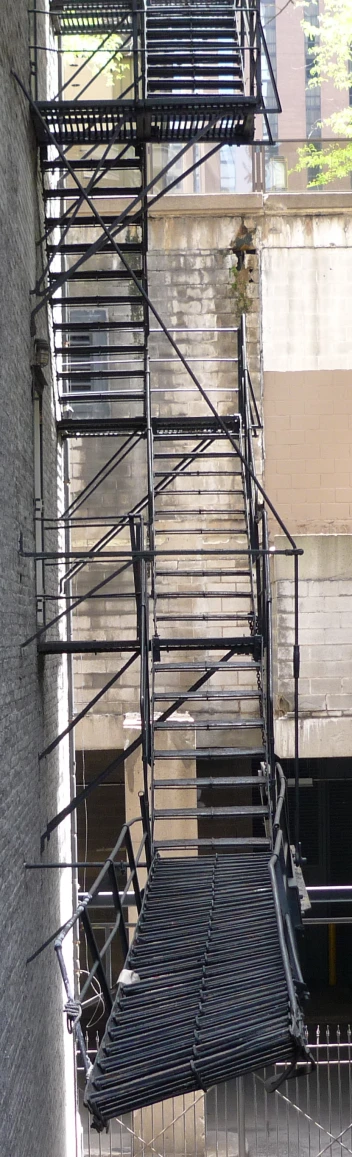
34 1103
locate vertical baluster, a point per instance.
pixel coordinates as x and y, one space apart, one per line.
328 1073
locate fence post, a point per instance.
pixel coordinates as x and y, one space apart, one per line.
241 1118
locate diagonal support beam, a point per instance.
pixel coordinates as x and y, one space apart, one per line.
76 603
137 509
81 714
115 763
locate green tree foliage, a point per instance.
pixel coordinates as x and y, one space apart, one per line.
331 61
108 58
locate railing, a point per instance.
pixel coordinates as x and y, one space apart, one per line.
260 551
311 1117
127 54
123 864
257 168
287 906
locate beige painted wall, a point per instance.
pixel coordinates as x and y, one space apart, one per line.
308 428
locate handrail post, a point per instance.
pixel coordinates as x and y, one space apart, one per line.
146 828
296 671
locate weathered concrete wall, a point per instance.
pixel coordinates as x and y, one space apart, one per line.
325 628
306 304
37 1105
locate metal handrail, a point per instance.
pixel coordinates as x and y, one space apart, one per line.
286 902
73 1007
260 555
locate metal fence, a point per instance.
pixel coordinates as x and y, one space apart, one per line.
310 1116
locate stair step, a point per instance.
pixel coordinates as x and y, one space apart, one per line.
200 454
210 782
203 574
89 300
246 644
195 493
70 192
200 696
212 753
212 725
97 275
198 666
192 813
84 163
84 219
75 376
197 473
193 594
214 841
200 530
167 512
98 326
88 353
207 617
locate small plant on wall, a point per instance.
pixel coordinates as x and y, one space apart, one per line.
241 272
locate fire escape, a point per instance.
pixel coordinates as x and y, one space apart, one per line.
218 985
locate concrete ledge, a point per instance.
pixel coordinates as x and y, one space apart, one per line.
262 204
318 738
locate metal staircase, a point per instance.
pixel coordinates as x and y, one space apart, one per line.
218 985
206 619
212 999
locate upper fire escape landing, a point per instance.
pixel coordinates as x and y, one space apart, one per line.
194 68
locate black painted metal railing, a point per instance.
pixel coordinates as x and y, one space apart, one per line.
259 506
119 883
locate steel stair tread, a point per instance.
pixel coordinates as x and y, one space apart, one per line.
208 781
211 752
193 594
208 617
206 666
214 812
200 696
214 841
208 724
175 643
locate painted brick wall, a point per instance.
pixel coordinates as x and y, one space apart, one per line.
33 904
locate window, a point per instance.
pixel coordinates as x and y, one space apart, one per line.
82 362
227 169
